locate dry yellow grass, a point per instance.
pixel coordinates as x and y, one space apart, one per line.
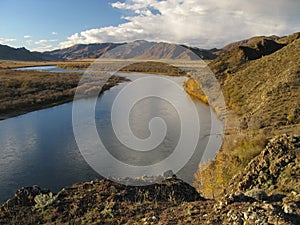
262 99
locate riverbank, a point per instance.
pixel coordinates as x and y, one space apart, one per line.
11 64
148 67
26 91
191 86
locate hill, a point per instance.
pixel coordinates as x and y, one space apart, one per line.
262 99
247 42
266 91
22 54
233 56
242 52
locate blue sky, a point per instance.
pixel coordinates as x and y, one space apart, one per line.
31 21
49 24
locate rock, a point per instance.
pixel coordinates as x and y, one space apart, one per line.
289 208
25 195
240 197
257 194
168 173
273 169
291 204
276 197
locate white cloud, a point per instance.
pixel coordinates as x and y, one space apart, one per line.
43 48
54 33
200 23
28 42
4 41
27 36
44 45
43 42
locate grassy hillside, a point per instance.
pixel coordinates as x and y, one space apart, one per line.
240 55
262 98
266 91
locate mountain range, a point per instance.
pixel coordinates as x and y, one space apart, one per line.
138 50
22 54
141 49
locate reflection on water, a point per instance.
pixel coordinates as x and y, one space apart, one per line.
40 148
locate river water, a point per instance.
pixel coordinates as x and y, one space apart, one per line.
40 147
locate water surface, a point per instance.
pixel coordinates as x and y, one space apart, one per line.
40 148
50 69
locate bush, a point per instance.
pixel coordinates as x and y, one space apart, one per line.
44 200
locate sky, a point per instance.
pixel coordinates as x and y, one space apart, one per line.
43 25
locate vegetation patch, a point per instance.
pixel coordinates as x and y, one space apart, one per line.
153 67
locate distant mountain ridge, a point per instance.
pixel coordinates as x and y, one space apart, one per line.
139 49
81 51
22 54
142 49
152 50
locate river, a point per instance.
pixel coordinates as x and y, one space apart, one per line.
39 147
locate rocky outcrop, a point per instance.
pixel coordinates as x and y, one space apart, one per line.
166 202
242 209
97 201
275 169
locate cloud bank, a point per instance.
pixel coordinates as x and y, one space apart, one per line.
201 23
4 41
44 45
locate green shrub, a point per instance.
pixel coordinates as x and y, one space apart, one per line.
44 200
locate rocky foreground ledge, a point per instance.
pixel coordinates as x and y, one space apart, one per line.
171 201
